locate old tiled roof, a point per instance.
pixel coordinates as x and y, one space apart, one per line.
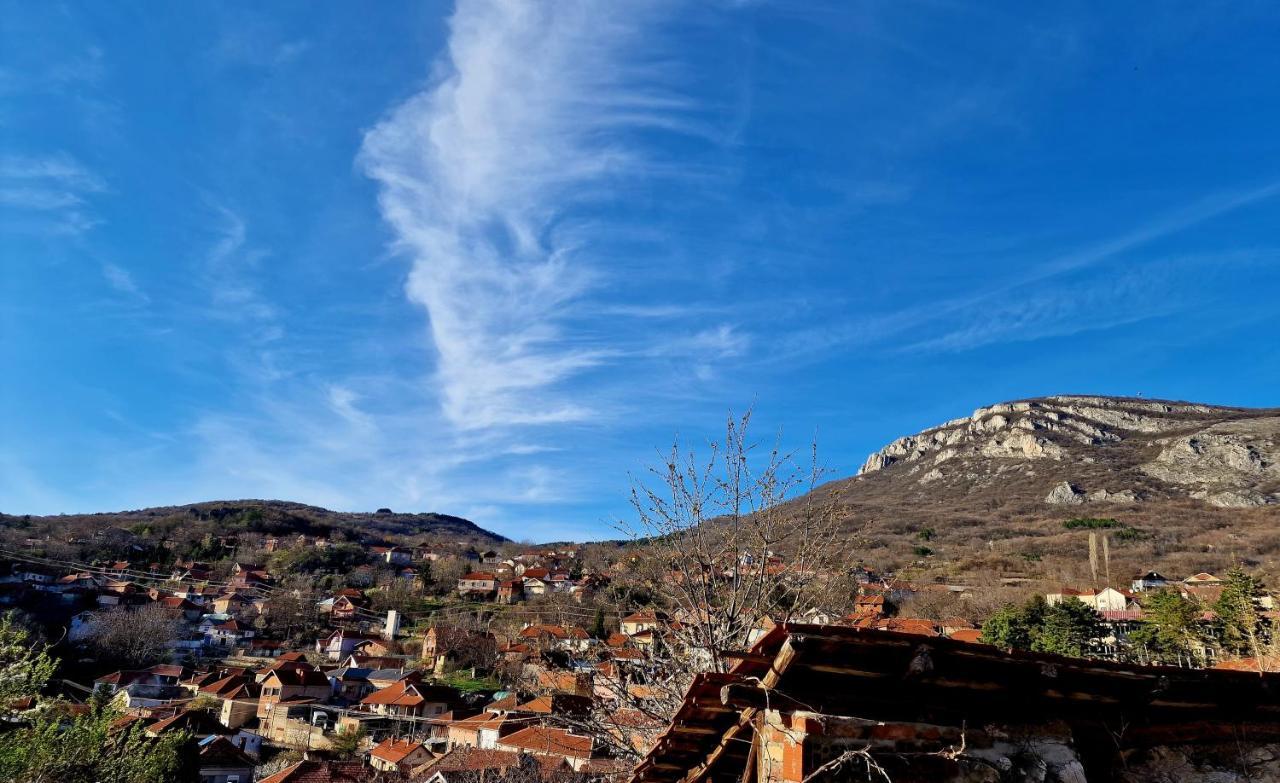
556 704
548 741
393 751
555 631
507 702
468 759
300 676
222 752
897 677
324 772
400 694
235 686
198 722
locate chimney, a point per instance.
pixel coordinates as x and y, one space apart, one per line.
392 626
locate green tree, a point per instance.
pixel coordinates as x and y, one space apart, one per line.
1067 628
1013 626
24 666
57 747
1170 632
1237 613
348 744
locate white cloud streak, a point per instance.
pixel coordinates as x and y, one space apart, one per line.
122 281
526 118
50 192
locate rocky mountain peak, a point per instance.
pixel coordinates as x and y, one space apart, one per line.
1102 450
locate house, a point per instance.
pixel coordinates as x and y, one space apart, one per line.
409 698
198 723
393 755
301 681
237 605
350 683
228 634
341 643
1108 599
490 558
510 591
181 607
238 694
394 555
481 731
644 620
150 687
566 637
532 585
552 743
345 607
376 648
1151 580
478 584
1203 586
220 761
302 722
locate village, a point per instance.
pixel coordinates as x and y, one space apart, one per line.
523 667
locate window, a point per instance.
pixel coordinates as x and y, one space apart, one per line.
233 779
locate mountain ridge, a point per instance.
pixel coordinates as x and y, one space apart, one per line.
993 491
270 517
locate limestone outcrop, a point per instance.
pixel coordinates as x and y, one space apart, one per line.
1101 450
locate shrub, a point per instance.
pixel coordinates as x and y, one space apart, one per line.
1090 524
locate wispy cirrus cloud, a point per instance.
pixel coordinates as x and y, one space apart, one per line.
48 193
121 280
527 117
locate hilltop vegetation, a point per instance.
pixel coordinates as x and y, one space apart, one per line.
200 531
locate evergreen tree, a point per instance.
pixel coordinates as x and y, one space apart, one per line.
1237 613
1015 627
1170 632
1067 628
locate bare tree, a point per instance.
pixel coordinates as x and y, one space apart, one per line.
464 643
723 547
134 637
292 610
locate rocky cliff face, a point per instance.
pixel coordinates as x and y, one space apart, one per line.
1187 487
1227 457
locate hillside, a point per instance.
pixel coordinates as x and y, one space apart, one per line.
1177 486
262 517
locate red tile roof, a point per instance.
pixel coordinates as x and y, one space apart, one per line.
544 740
468 759
400 694
323 772
394 751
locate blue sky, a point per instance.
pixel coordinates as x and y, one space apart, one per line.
487 259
